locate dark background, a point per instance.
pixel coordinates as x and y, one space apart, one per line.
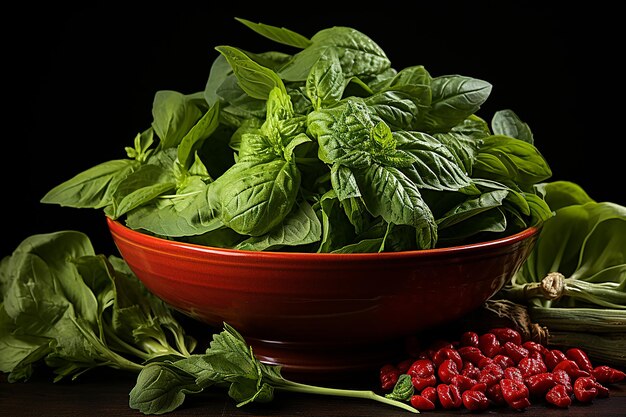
80 82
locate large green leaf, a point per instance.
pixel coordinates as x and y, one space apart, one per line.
300 227
358 54
92 188
454 98
280 35
257 198
256 80
388 193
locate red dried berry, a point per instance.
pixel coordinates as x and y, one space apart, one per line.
449 396
580 357
489 345
607 375
475 400
585 389
529 366
558 396
553 357
506 334
469 339
421 403
539 384
515 393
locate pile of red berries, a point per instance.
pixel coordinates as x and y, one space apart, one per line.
495 368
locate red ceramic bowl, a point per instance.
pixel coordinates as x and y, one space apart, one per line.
319 313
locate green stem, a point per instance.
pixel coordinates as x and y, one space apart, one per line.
337 392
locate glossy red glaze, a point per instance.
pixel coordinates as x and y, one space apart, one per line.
316 313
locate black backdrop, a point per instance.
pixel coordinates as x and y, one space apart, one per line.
80 82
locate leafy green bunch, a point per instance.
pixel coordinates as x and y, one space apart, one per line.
64 306
328 149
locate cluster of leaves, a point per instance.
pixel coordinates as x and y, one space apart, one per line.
228 363
63 306
329 149
574 281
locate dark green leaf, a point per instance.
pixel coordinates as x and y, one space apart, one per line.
454 98
161 388
280 35
507 123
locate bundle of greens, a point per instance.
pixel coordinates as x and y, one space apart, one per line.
574 282
329 149
65 307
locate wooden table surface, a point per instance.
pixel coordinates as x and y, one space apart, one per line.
105 393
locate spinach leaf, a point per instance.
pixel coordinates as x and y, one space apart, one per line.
72 310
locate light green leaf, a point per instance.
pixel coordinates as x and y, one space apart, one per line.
92 188
257 81
174 114
325 83
255 199
300 227
194 138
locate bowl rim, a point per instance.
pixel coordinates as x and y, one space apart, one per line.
116 227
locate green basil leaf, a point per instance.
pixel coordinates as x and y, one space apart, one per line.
454 98
358 54
161 388
488 221
174 114
434 166
471 207
507 123
300 227
257 81
220 71
340 129
337 231
92 188
387 192
344 182
194 138
257 198
398 108
280 35
524 162
325 82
